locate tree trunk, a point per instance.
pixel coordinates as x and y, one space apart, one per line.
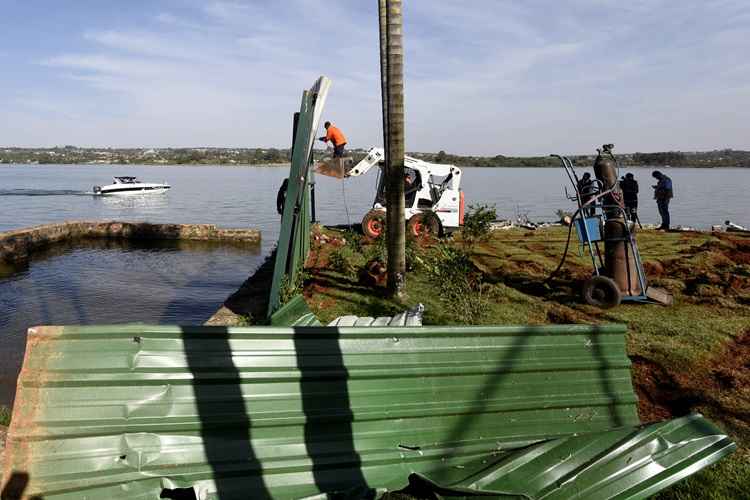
396 227
383 18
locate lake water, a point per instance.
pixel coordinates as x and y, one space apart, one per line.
105 282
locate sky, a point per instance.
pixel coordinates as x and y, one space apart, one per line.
483 77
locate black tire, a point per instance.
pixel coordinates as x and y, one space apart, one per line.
425 224
373 224
602 292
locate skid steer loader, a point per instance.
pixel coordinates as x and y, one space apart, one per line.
434 200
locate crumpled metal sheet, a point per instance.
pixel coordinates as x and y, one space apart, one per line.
136 411
624 463
410 317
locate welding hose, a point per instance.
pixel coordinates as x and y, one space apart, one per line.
565 252
570 232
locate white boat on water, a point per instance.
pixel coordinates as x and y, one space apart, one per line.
131 185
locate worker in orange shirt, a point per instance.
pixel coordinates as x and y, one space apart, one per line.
337 137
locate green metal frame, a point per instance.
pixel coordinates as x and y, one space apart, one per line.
294 237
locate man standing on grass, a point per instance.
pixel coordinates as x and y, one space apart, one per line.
663 192
337 137
629 187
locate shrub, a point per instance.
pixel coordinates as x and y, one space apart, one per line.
289 289
378 250
245 320
478 222
459 284
353 241
342 260
4 415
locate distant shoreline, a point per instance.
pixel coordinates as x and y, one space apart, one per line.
273 157
280 165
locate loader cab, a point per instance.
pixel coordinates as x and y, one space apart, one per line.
438 185
413 190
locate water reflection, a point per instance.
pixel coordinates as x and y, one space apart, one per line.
149 201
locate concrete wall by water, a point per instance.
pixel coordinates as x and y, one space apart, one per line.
15 246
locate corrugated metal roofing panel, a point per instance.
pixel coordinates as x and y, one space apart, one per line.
294 313
125 411
624 463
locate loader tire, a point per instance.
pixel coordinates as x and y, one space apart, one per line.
373 224
602 292
424 225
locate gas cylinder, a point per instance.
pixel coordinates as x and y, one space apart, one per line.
619 262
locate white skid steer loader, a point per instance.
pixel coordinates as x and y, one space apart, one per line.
434 200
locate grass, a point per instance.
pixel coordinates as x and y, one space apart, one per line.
5 415
693 356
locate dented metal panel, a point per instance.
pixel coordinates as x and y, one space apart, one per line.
133 411
624 463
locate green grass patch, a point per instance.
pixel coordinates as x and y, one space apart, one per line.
5 415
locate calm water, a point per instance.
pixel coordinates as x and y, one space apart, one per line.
104 282
246 196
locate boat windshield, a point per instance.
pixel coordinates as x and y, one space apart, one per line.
125 180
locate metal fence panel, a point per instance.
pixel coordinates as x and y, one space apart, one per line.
294 236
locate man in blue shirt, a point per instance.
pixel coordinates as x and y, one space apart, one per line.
663 192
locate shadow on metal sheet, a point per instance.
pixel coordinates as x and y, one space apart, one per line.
328 413
225 425
505 365
16 486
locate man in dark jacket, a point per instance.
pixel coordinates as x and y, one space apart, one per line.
629 187
587 190
663 193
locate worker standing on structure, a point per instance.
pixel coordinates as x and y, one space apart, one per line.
629 187
663 192
334 134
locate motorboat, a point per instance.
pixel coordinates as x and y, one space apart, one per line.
131 185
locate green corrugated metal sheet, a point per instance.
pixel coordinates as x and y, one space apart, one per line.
625 463
294 313
294 235
126 411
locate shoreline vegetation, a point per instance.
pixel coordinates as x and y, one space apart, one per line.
73 155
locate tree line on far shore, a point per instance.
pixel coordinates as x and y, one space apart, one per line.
266 156
717 158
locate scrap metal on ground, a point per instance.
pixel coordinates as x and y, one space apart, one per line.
147 412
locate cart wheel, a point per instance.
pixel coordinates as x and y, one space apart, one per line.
373 224
602 292
425 224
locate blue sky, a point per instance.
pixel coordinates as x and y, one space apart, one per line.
482 76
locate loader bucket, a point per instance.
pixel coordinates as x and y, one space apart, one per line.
334 167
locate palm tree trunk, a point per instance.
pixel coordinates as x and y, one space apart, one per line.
394 124
383 17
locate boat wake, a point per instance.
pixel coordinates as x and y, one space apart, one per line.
43 192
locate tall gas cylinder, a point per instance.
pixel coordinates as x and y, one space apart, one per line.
619 261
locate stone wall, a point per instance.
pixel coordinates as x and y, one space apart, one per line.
16 245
